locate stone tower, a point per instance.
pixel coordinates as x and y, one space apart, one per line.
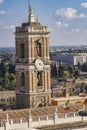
32 64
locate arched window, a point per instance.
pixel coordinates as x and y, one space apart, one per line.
22 51
22 79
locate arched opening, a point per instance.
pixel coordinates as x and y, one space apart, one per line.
22 79
38 49
39 79
22 51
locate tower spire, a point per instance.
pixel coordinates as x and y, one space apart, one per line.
30 10
31 16
29 6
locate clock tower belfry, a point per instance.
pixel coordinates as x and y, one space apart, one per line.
32 64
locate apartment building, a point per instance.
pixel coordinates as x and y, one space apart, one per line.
71 58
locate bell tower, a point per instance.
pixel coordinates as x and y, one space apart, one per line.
32 64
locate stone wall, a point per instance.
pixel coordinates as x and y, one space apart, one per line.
73 100
7 96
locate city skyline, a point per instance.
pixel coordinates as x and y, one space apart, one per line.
67 20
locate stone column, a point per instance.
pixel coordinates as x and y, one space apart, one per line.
30 80
33 82
26 52
7 126
17 51
45 81
47 52
17 56
27 81
29 119
42 51
48 87
55 116
33 50
21 121
17 88
65 115
47 118
19 80
29 52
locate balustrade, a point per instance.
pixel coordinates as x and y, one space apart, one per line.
56 118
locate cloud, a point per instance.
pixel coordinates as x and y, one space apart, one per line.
60 24
82 16
1 22
76 30
84 5
3 12
10 27
50 29
69 13
1 1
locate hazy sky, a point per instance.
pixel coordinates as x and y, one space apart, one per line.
66 19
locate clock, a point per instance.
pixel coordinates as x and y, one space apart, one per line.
39 64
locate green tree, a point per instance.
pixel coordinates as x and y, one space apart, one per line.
61 71
2 69
76 73
11 68
7 74
71 70
84 67
66 74
54 71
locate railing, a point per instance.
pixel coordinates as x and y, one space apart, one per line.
35 121
51 117
2 123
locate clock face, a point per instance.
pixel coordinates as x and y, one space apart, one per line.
39 64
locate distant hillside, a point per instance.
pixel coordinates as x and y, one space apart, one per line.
6 50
